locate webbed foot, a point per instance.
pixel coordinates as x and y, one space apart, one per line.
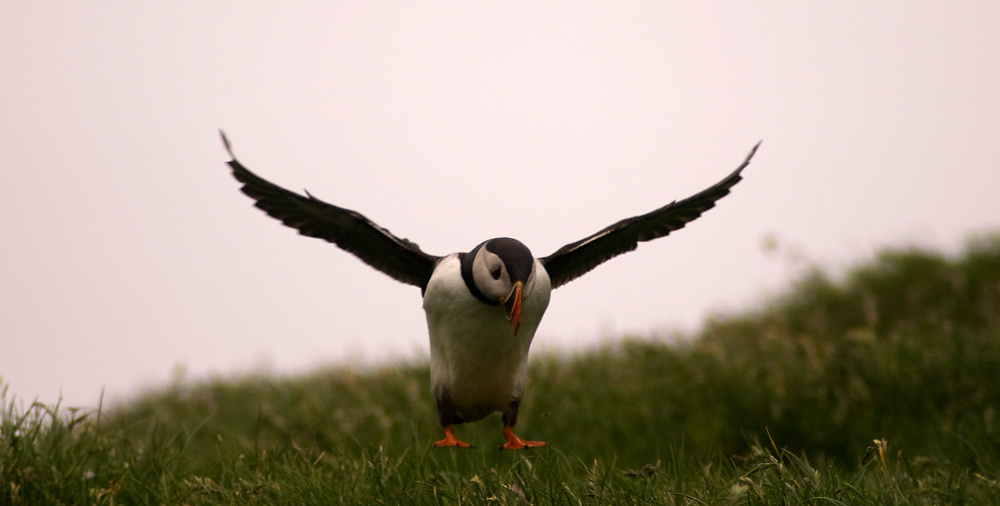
516 443
451 441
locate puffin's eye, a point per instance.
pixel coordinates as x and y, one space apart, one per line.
495 272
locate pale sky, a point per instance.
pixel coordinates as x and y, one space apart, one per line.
128 252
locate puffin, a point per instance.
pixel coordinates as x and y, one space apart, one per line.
482 306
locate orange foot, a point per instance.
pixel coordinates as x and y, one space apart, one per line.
450 440
516 443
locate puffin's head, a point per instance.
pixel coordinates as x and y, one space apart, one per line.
501 272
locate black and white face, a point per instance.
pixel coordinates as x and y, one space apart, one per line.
501 272
501 263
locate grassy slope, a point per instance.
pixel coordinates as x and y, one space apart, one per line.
779 405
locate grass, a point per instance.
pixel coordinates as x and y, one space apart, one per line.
878 388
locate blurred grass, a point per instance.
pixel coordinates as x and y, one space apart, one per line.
881 387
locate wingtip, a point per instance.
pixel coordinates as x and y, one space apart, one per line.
746 161
754 150
225 142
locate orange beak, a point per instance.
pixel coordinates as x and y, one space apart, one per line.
512 304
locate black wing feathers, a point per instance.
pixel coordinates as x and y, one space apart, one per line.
576 259
351 231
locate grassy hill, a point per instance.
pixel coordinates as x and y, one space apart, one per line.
880 387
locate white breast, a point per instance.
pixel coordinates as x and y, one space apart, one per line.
475 356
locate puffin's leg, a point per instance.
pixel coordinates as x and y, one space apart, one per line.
509 418
446 415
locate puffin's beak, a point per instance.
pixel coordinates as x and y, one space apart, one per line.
512 304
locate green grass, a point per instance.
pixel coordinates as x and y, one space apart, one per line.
878 388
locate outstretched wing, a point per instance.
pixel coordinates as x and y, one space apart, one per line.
575 259
376 246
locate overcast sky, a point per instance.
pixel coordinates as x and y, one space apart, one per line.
128 253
